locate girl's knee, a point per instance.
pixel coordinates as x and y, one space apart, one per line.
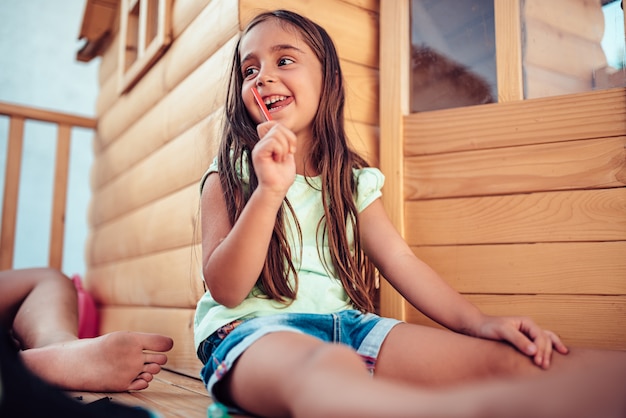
329 355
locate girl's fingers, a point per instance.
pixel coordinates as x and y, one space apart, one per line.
276 133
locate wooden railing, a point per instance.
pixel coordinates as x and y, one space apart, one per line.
17 118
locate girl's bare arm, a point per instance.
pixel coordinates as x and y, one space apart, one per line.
413 278
429 293
233 256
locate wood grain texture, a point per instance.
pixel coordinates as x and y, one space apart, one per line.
188 155
353 29
171 278
199 95
584 164
581 321
597 114
572 268
11 191
593 215
165 224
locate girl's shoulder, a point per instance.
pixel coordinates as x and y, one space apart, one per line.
242 171
369 182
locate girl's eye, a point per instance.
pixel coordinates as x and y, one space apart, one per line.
285 61
250 71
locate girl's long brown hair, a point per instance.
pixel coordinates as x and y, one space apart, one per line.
330 156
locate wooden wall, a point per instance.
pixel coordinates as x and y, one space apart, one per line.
522 207
154 143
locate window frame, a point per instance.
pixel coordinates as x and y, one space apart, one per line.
137 53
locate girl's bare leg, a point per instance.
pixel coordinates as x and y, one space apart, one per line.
287 374
434 357
40 307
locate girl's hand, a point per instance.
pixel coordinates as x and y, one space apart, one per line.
525 335
273 157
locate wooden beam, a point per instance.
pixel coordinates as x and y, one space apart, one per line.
11 189
394 104
507 15
57 230
46 115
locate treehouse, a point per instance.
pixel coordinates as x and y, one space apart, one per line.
499 124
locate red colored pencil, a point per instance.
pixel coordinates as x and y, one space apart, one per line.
259 101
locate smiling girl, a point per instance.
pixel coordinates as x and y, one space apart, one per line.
293 231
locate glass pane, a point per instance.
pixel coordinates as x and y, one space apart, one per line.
453 54
572 46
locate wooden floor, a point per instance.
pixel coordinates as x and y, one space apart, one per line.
170 394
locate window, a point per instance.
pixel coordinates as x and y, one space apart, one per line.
471 52
572 47
145 30
453 54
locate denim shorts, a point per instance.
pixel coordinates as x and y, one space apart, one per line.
365 333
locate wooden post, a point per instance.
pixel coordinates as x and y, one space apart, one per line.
507 16
57 229
11 188
394 104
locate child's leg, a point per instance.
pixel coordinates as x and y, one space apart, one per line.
288 374
433 357
40 306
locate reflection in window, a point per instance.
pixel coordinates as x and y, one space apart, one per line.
573 50
614 46
453 59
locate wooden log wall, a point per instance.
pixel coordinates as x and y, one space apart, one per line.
562 49
521 206
154 143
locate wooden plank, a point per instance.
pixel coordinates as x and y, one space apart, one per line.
364 139
593 268
371 5
587 215
595 114
164 224
353 29
109 57
45 115
173 322
169 394
586 164
508 22
61 169
581 321
200 94
361 86
394 103
194 48
11 191
187 155
171 278
107 95
184 12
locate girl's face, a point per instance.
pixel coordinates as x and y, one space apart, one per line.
276 60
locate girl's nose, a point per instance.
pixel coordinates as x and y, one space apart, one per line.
264 78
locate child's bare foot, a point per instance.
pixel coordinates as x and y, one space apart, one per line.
114 362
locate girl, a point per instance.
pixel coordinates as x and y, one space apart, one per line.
292 232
